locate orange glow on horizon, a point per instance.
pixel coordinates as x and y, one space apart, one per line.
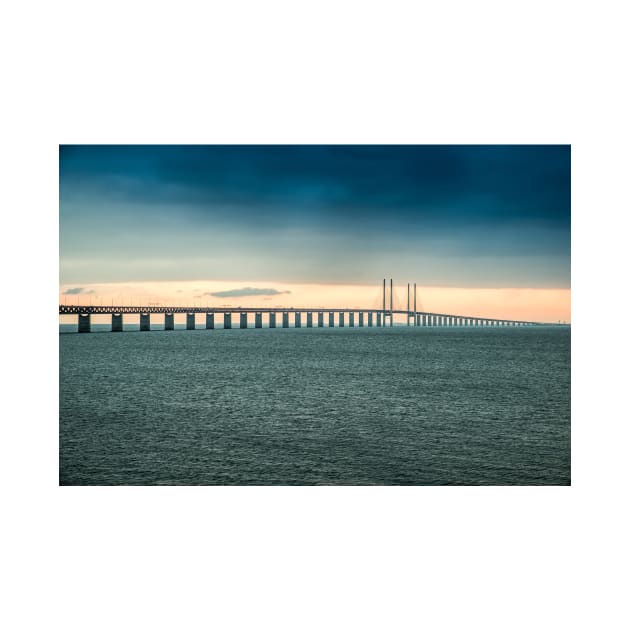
532 304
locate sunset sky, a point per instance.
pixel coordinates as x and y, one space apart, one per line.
482 230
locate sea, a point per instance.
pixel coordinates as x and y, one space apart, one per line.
315 406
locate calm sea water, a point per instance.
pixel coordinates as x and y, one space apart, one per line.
316 406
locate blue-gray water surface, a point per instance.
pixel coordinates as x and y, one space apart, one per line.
411 406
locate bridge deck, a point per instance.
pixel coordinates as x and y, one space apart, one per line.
144 310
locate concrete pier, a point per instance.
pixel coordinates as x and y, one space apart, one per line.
341 324
351 319
285 320
209 321
145 321
309 320
298 320
85 322
117 322
243 320
227 320
378 320
169 321
370 320
360 319
258 320
331 320
320 320
272 320
190 321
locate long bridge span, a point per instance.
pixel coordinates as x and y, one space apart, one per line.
283 317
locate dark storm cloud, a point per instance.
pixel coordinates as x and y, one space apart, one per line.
77 291
247 291
433 183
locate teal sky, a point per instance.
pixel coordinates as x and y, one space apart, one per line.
468 216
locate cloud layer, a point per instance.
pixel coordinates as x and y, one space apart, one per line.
476 216
77 291
245 292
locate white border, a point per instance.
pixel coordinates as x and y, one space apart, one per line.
340 72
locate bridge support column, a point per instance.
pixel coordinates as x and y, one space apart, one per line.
320 320
117 322
209 321
298 320
190 321
145 321
378 320
285 320
243 320
85 322
227 320
341 324
360 319
258 320
331 320
309 320
272 320
370 319
351 319
169 321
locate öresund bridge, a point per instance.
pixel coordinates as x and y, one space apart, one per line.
301 317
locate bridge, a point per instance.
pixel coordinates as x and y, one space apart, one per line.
301 317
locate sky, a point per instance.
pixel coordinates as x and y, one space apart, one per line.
485 227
